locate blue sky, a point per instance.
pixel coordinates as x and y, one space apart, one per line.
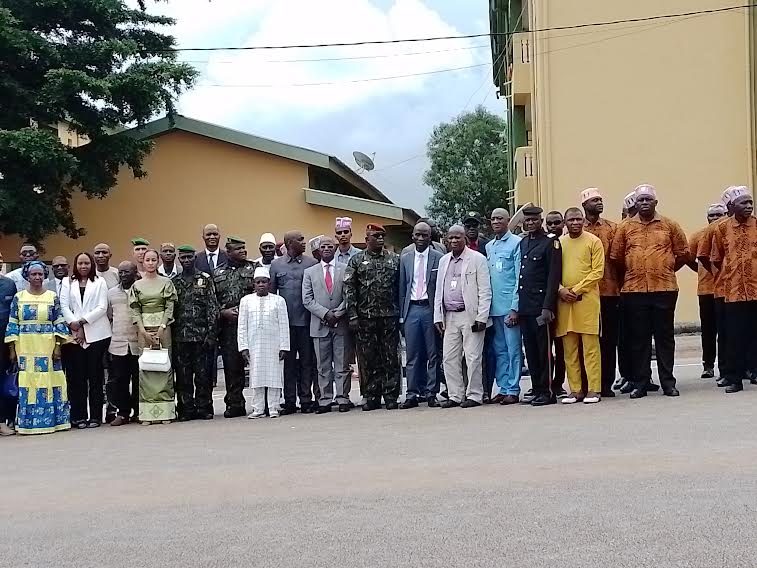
392 118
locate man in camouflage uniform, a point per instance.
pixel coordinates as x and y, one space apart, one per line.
371 284
195 333
233 280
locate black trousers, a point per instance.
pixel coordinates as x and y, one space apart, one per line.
489 366
233 367
123 384
85 382
708 320
299 374
608 340
721 322
624 364
8 404
739 318
194 391
536 342
647 315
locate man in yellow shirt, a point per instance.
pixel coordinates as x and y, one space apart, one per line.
578 308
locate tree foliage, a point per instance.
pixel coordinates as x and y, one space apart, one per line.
97 65
468 169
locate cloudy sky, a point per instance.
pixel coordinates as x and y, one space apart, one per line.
253 90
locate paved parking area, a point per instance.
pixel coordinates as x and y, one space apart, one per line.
654 482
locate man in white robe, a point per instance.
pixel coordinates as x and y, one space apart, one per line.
263 339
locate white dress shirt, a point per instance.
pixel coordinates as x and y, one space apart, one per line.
325 266
419 257
214 256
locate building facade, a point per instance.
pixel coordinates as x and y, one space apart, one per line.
199 173
667 101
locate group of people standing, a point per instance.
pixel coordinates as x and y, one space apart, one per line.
572 296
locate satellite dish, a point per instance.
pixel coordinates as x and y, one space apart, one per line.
364 162
517 219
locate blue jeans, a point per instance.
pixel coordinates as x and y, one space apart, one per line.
507 351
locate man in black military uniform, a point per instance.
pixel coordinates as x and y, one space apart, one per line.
195 333
233 280
371 286
540 274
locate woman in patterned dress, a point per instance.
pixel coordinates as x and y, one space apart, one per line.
36 329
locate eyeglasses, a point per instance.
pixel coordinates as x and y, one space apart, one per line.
60 265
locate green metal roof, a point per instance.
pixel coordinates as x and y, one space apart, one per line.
163 126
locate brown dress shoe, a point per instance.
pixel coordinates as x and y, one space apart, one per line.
498 399
119 421
509 399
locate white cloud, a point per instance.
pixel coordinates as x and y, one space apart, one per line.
284 22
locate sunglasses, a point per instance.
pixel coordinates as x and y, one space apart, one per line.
346 232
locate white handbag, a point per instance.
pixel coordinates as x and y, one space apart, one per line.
156 360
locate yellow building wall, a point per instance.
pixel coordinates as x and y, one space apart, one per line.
192 181
663 102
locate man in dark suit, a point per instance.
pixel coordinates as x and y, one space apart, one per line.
207 261
212 257
418 272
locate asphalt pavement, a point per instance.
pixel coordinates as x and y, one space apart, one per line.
653 482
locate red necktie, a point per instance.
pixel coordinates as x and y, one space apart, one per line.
329 281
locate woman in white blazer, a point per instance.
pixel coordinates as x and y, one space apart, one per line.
84 302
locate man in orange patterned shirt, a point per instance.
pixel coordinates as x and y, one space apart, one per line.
703 252
648 249
609 292
734 253
705 293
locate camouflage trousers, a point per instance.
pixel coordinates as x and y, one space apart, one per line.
194 391
378 342
233 367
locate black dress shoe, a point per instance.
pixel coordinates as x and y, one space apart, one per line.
308 408
234 413
722 382
468 403
671 392
450 404
344 408
185 418
653 387
543 400
321 410
734 387
409 403
626 387
608 394
207 416
708 373
392 405
432 402
638 393
371 405
286 410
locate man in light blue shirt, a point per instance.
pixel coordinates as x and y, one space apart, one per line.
343 233
503 255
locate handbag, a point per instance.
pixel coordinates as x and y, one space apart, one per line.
9 384
156 360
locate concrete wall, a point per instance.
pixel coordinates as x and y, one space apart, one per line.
663 102
193 180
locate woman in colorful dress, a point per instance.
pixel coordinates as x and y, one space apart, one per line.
36 329
152 300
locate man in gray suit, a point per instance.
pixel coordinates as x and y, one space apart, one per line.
418 270
322 296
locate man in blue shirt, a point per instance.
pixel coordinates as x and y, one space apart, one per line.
503 255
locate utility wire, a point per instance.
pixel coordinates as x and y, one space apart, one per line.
469 36
323 83
319 59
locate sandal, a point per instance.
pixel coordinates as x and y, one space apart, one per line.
93 424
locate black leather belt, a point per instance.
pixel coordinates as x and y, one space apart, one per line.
419 303
457 310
